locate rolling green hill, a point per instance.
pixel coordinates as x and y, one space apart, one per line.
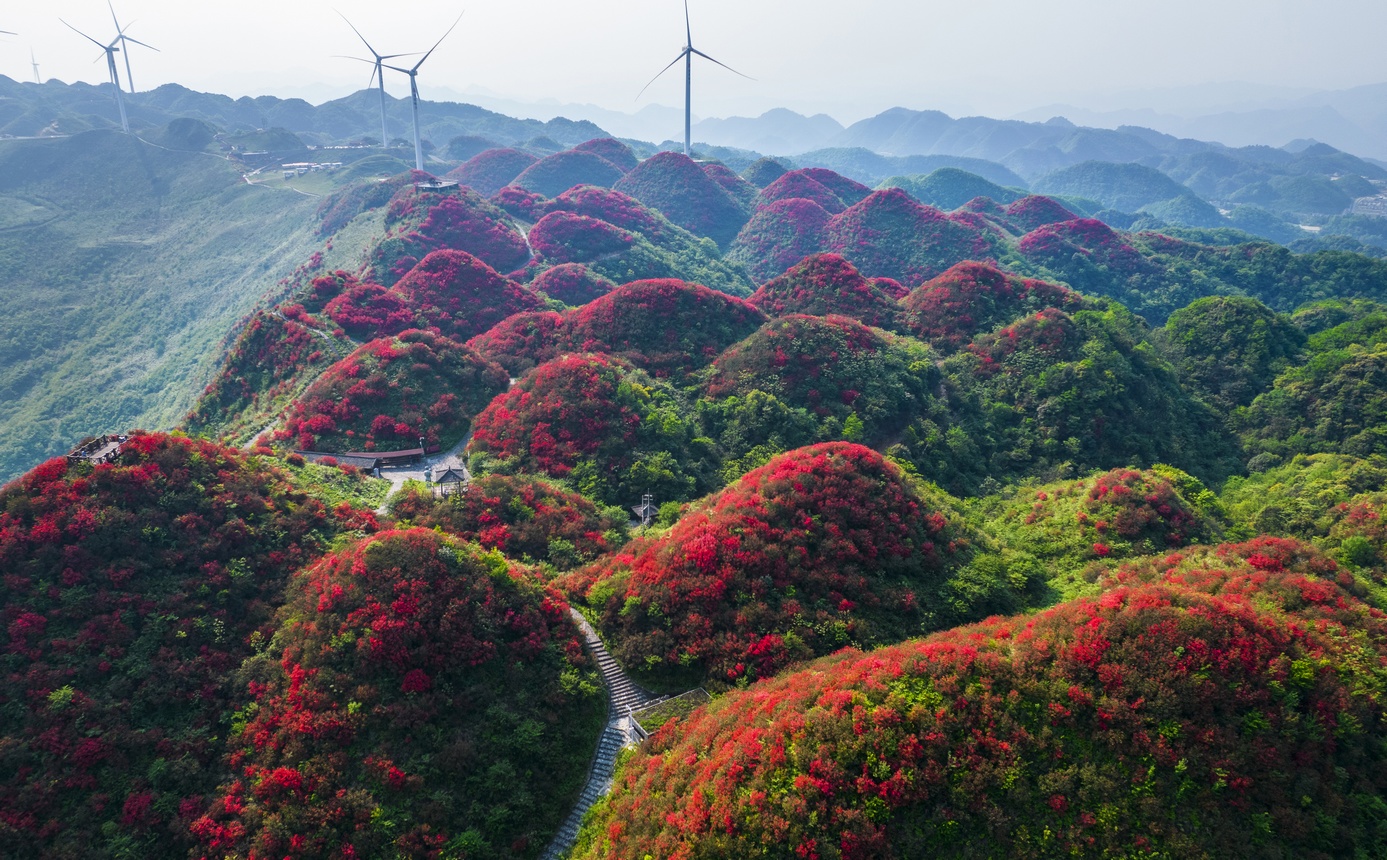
122 265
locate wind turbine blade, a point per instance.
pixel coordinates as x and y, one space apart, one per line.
8 33
83 35
724 65
409 72
141 44
682 55
440 41
358 35
688 28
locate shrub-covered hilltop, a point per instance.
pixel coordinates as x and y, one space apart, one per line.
992 528
1220 703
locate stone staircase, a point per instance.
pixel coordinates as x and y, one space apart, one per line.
622 696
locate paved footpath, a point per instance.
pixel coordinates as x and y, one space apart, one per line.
623 694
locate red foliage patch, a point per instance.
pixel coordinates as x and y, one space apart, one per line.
1203 690
797 184
390 393
972 298
779 236
572 283
461 295
1034 211
129 595
823 284
521 341
665 326
821 546
564 237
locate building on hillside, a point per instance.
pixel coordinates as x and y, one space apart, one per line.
646 511
1375 206
102 449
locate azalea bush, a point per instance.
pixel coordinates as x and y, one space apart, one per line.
974 298
823 284
523 516
461 295
1215 704
822 547
419 222
609 429
422 697
834 367
129 595
392 392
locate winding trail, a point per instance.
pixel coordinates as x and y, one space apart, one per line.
622 696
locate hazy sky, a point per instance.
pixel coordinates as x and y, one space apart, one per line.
847 59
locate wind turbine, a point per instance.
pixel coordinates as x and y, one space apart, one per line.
35 63
376 76
414 94
125 45
687 56
111 65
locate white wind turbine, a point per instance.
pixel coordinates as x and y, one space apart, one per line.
35 64
125 42
111 66
377 76
687 56
414 94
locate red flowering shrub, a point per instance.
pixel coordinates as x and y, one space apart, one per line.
419 678
973 298
831 366
778 236
672 183
615 208
390 393
665 326
129 595
611 430
490 171
820 547
522 516
741 190
572 283
1094 242
521 341
891 287
461 295
888 234
1033 211
563 237
525 205
612 151
419 222
850 191
1219 711
796 184
366 310
823 284
263 367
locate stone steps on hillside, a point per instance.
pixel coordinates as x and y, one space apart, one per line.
623 695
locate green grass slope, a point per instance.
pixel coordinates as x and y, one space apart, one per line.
122 266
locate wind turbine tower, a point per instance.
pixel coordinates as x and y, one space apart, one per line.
111 66
687 56
414 94
377 77
125 42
